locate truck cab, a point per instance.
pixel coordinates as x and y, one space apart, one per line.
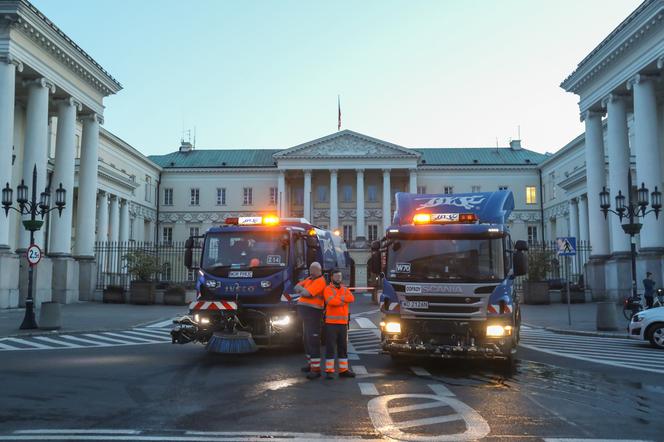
449 265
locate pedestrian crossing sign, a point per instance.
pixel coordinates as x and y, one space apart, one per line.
566 246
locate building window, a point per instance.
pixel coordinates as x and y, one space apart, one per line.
552 180
194 197
348 194
372 193
348 233
148 188
247 196
532 235
531 195
503 187
321 194
449 190
421 190
166 272
299 196
168 197
273 196
476 189
221 196
167 235
194 231
372 231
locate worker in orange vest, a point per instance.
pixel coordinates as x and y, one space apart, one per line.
310 307
337 298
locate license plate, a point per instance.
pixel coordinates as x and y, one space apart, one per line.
240 274
415 304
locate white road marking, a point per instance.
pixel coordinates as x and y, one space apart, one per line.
368 312
365 323
161 324
28 343
77 431
146 335
360 369
380 414
7 347
419 371
105 338
84 341
440 390
57 342
367 389
353 357
155 332
118 335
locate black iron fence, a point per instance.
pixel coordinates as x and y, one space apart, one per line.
112 269
560 269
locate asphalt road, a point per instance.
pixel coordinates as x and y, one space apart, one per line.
158 391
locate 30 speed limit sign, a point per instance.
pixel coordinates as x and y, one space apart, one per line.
34 254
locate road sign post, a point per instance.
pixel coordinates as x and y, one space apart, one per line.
566 248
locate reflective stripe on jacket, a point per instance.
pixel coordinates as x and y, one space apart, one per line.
313 296
336 304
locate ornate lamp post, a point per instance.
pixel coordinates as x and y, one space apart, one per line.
35 209
632 211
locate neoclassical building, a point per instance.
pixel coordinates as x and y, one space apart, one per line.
51 108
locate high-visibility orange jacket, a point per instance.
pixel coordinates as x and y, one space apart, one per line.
336 304
313 294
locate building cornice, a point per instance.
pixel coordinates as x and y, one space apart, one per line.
220 169
476 167
27 19
643 21
127 148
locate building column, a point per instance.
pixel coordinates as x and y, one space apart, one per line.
281 194
412 181
149 232
334 200
574 218
359 188
618 152
102 217
584 227
387 199
307 196
65 159
9 262
646 149
114 219
36 144
123 235
87 188
596 179
139 228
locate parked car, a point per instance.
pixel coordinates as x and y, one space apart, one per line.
648 325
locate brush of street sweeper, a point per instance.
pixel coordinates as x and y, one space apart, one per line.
238 342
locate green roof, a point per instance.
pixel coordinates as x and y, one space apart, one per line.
442 156
217 158
478 155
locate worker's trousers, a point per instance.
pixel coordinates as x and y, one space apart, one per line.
311 324
336 338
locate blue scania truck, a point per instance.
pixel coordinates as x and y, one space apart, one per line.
245 277
448 265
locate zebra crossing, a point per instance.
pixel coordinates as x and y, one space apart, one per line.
364 341
617 352
61 341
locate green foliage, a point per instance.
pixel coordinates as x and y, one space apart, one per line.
539 264
141 265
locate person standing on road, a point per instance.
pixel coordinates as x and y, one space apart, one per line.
649 289
310 307
337 298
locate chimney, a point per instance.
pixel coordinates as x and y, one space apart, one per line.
186 146
515 145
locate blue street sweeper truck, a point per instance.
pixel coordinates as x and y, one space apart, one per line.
448 265
245 277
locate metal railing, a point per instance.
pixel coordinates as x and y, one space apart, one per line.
112 262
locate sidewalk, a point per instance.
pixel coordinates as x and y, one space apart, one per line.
554 317
92 316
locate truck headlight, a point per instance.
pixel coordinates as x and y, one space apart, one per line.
212 283
266 284
393 327
498 331
280 321
637 318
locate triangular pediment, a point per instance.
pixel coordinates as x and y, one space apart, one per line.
346 144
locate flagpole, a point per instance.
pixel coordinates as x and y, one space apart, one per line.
339 112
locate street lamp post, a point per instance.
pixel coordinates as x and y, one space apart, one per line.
633 212
33 208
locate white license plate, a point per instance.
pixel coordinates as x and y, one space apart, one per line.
240 274
415 304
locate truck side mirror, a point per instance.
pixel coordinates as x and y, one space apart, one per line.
521 246
188 253
520 263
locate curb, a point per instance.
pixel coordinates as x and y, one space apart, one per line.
581 332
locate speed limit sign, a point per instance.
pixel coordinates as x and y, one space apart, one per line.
34 254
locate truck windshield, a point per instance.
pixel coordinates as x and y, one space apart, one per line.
459 260
249 249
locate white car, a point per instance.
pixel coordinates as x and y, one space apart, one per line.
648 325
